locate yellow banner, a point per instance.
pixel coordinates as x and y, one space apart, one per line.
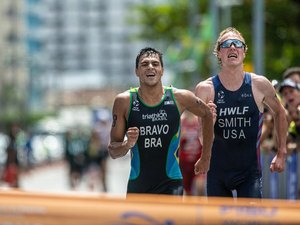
26 208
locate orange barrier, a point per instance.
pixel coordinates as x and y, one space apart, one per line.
26 208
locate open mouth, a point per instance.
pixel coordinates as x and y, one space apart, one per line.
291 101
232 55
150 75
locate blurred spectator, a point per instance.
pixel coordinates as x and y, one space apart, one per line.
189 152
294 127
269 150
93 159
290 92
102 128
292 73
28 153
293 146
11 171
268 140
75 155
96 159
268 136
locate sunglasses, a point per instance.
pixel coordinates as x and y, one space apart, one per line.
237 43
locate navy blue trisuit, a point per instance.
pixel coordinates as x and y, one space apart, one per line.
235 160
154 158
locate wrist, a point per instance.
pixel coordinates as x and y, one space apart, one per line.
129 144
205 155
282 152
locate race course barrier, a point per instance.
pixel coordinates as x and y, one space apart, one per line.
27 208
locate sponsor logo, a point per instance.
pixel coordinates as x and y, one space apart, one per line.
136 105
220 96
160 116
169 102
132 217
246 95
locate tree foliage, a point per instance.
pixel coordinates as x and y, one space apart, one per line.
282 45
188 46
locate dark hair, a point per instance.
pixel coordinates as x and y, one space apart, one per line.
148 51
290 71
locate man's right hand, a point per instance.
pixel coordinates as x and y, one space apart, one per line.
132 136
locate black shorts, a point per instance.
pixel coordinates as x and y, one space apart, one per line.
171 187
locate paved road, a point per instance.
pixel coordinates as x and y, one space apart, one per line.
54 178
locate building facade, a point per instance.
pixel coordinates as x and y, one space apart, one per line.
88 39
13 72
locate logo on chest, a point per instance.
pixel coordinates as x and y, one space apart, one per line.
220 97
135 105
246 95
160 116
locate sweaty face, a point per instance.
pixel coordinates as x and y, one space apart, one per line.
149 69
231 49
291 96
294 113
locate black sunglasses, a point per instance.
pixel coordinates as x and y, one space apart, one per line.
237 43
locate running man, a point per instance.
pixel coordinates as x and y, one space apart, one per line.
149 117
240 98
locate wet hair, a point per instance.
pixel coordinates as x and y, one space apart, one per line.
291 71
222 33
148 51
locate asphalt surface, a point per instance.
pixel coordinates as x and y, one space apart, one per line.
54 177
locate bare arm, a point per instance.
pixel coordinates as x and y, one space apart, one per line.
188 101
281 126
204 90
267 94
119 146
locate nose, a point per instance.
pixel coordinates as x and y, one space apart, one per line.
232 44
150 65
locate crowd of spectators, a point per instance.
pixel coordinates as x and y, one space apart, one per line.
288 90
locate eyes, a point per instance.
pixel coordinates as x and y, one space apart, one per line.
150 63
227 44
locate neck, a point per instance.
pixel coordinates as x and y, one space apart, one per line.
232 79
151 95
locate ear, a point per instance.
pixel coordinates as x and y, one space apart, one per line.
244 54
136 72
219 60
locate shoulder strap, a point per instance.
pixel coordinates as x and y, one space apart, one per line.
133 93
168 92
215 80
247 78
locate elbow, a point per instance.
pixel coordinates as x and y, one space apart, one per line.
111 152
113 155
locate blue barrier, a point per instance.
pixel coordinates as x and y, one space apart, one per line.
283 185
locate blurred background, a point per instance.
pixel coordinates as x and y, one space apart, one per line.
63 62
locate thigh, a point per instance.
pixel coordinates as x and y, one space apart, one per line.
216 187
250 188
187 170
